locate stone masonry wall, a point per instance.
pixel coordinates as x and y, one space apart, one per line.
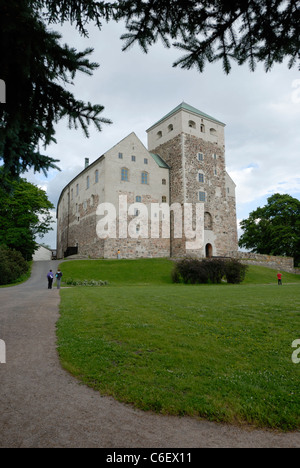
180 153
269 261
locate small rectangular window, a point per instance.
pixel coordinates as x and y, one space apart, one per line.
138 199
133 158
145 161
77 190
201 178
144 178
88 182
120 155
200 156
124 174
164 199
96 176
164 182
202 196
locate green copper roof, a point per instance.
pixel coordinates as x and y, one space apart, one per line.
159 161
188 108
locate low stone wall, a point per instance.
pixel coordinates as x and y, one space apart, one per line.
269 261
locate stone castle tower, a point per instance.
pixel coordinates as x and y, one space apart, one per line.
192 144
183 164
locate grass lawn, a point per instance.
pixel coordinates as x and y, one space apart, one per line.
220 352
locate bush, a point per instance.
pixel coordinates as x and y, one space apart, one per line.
215 269
193 271
235 271
12 265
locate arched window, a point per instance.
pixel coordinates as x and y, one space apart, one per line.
159 135
192 124
213 131
208 223
202 128
124 174
170 128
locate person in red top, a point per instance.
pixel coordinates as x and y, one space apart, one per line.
279 277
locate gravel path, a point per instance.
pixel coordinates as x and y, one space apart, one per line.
43 406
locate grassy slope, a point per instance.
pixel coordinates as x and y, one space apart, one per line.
222 352
152 271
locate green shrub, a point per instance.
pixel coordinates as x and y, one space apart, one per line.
12 265
193 271
235 271
215 269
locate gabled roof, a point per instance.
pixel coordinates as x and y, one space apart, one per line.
186 107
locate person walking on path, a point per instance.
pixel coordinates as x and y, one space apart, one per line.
279 277
50 277
58 278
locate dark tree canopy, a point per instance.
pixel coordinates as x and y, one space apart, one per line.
207 30
274 229
36 67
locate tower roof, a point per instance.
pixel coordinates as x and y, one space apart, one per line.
186 107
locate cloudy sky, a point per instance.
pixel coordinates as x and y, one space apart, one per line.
261 111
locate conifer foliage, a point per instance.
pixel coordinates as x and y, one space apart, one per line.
36 67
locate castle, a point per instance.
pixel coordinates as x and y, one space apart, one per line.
183 165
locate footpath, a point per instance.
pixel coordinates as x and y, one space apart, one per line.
42 406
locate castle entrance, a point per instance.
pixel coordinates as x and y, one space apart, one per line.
208 251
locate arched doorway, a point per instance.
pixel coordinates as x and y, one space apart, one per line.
208 250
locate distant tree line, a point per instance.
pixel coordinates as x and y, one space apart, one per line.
274 229
24 215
